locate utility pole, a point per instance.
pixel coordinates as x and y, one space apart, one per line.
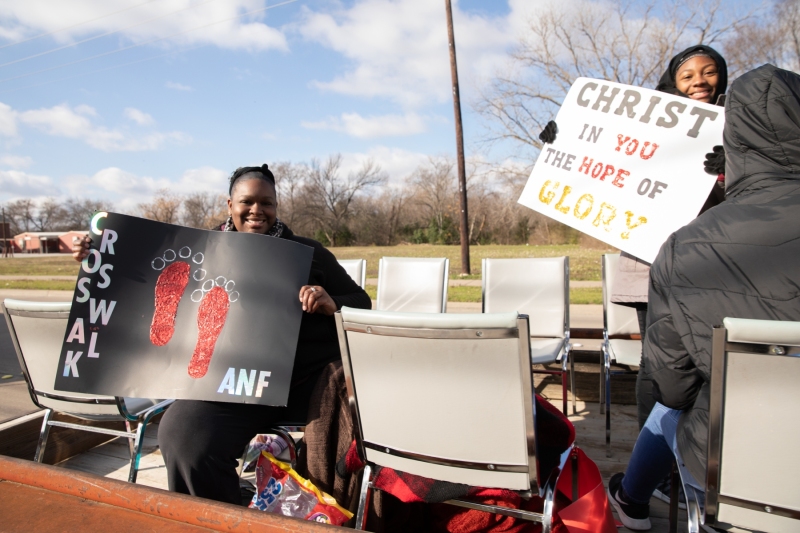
462 175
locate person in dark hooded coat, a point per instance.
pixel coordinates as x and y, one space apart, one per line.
737 260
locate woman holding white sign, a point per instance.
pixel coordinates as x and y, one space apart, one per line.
698 73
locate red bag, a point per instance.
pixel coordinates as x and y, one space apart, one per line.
591 512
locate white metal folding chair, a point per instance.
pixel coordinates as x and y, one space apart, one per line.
427 392
620 322
753 465
356 269
413 284
37 331
537 287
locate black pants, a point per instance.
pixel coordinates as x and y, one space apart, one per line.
201 441
644 385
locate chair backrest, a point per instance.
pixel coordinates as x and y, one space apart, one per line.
617 319
413 284
37 330
753 477
429 394
537 287
356 269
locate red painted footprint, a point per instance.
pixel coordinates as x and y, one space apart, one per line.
210 319
169 289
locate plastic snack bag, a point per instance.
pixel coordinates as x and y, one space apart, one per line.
281 490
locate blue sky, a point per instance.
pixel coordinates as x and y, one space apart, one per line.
183 107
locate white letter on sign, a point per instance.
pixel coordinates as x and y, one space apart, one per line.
77 331
262 382
228 382
95 311
245 382
70 363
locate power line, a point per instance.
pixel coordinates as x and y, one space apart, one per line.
46 52
147 42
75 25
104 69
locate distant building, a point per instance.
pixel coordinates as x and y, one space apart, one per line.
46 242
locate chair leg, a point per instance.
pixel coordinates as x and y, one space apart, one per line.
137 453
674 479
601 400
131 447
43 434
363 499
564 399
572 384
607 387
549 504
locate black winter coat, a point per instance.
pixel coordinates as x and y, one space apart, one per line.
740 259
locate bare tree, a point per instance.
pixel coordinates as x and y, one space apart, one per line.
203 210
21 213
79 212
290 178
329 196
165 207
433 188
622 41
49 215
775 38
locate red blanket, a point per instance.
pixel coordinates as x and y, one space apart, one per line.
555 433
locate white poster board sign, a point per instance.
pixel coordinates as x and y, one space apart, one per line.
627 164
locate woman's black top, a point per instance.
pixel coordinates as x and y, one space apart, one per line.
318 343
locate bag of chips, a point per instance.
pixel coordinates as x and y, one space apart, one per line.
281 490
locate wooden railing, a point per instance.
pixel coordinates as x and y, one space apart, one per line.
39 497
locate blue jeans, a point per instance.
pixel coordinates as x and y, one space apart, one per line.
653 455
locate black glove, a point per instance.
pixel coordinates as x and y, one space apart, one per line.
715 161
548 134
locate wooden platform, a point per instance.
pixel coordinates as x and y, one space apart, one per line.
111 459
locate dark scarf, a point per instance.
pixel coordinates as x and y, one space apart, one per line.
276 230
667 82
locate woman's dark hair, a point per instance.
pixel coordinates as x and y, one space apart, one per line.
667 82
263 172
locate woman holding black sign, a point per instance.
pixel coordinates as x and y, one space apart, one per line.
201 441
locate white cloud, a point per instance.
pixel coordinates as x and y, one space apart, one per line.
8 121
398 48
139 117
371 127
27 18
396 162
16 161
178 86
203 179
74 123
15 183
127 190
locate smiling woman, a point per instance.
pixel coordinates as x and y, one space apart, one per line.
199 440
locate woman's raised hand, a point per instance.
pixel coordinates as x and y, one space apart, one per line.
80 248
316 300
548 134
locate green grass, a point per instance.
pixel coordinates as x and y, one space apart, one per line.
584 263
58 265
586 296
38 285
473 294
